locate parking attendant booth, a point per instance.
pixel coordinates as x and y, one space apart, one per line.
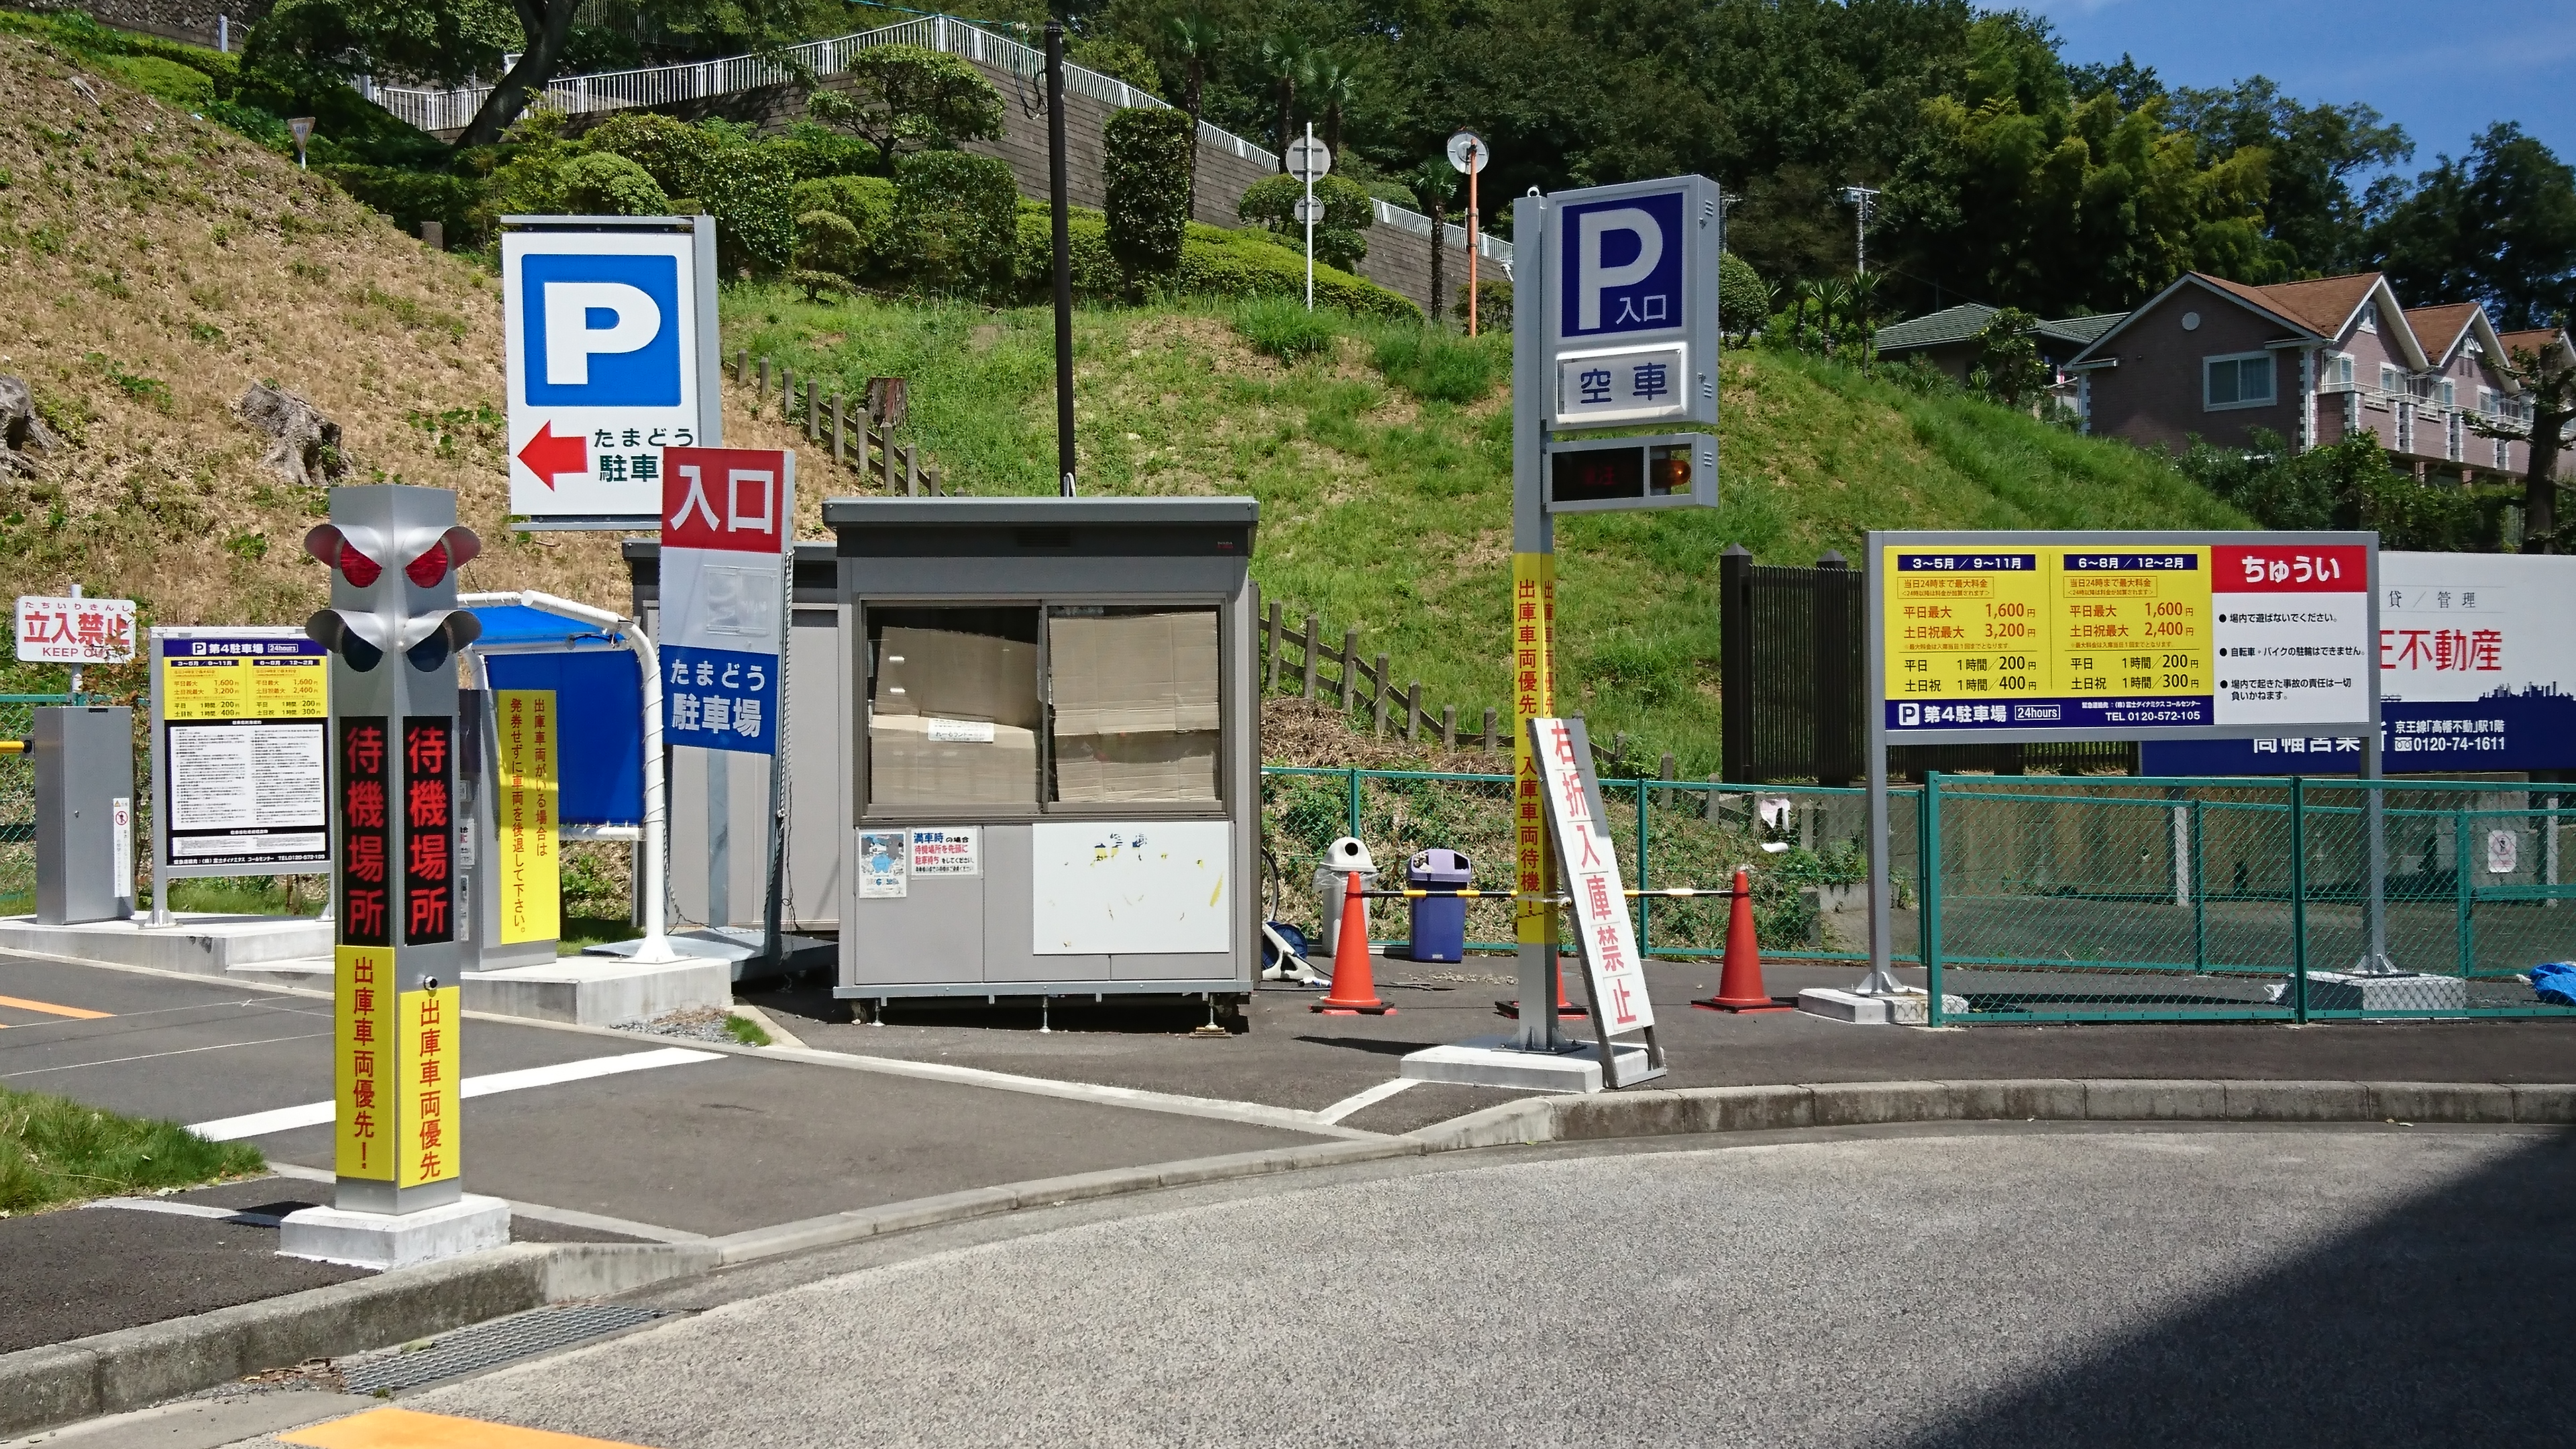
1053 748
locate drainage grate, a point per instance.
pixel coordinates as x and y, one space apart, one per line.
469 1350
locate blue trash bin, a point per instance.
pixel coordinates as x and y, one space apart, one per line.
1439 922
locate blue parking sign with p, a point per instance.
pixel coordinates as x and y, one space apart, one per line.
602 330
1624 261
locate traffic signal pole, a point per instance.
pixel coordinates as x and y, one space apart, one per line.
394 631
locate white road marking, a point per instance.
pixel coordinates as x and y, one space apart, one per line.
156 1056
314 1114
1357 1100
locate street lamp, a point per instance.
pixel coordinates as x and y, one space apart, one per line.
1862 200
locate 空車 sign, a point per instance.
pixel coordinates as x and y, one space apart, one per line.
1631 304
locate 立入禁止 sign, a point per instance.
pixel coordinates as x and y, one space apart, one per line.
70 630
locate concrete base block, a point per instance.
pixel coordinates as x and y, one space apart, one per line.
1907 1006
2340 991
200 942
599 990
1492 1061
395 1240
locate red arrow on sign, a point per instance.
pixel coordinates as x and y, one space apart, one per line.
550 457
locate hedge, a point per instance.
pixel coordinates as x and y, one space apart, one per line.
867 204
1247 264
1348 210
956 223
1147 172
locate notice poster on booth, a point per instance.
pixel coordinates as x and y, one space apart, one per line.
525 817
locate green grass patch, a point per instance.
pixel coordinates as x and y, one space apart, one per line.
745 1030
1439 366
584 931
54 1151
1289 331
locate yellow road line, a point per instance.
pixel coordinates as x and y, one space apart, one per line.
76 1013
407 1429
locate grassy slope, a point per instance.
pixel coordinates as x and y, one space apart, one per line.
1393 514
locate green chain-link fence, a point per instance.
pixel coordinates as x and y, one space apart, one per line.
1808 896
2193 899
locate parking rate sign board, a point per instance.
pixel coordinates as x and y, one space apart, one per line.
2123 636
244 774
728 519
611 359
1631 306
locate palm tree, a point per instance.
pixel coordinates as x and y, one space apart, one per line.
1285 59
1434 183
1330 86
1834 301
1802 292
1194 38
1862 290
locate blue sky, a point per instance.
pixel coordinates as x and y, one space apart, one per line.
2444 72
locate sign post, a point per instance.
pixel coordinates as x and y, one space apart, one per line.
1307 159
2013 637
728 533
1614 324
393 631
610 331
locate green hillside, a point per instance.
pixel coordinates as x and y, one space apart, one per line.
1390 511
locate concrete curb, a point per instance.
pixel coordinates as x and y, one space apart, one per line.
1855 1104
132 1368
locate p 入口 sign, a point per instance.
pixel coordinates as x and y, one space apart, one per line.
1631 303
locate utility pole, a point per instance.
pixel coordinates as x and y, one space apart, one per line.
1063 261
1863 200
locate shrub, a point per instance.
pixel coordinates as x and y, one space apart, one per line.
1096 274
827 243
2349 484
672 152
1117 59
1743 298
1348 210
745 186
867 204
600 184
412 197
1284 329
1249 264
1493 301
1147 170
184 86
813 151
909 97
956 224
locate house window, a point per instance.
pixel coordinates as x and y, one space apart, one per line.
2450 393
2339 369
2503 453
2240 381
2369 317
2391 381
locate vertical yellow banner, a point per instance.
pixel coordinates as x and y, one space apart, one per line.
431 1139
529 880
1533 697
364 1062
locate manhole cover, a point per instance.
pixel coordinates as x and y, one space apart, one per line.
469 1350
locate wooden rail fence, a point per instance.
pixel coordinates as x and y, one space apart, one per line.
828 418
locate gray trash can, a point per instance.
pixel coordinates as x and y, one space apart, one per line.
1328 910
1439 922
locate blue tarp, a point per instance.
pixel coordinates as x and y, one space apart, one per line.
599 696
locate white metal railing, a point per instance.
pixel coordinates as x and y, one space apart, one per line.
451 110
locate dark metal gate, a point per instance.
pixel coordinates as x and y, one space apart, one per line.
1793 686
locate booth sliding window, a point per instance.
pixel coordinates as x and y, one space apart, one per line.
1034 706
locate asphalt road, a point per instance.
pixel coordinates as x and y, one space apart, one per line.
2002 1287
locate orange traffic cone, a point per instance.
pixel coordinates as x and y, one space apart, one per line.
1354 991
1740 989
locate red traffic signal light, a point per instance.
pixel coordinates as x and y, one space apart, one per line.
363 636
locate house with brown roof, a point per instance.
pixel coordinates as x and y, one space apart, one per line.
2312 362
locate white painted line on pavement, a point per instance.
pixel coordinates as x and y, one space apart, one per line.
314 1114
156 1056
187 1210
1357 1100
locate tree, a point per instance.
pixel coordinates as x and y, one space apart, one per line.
1434 185
1145 170
1330 86
2007 366
2497 226
911 97
1284 59
2315 153
1195 38
2547 377
1743 298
